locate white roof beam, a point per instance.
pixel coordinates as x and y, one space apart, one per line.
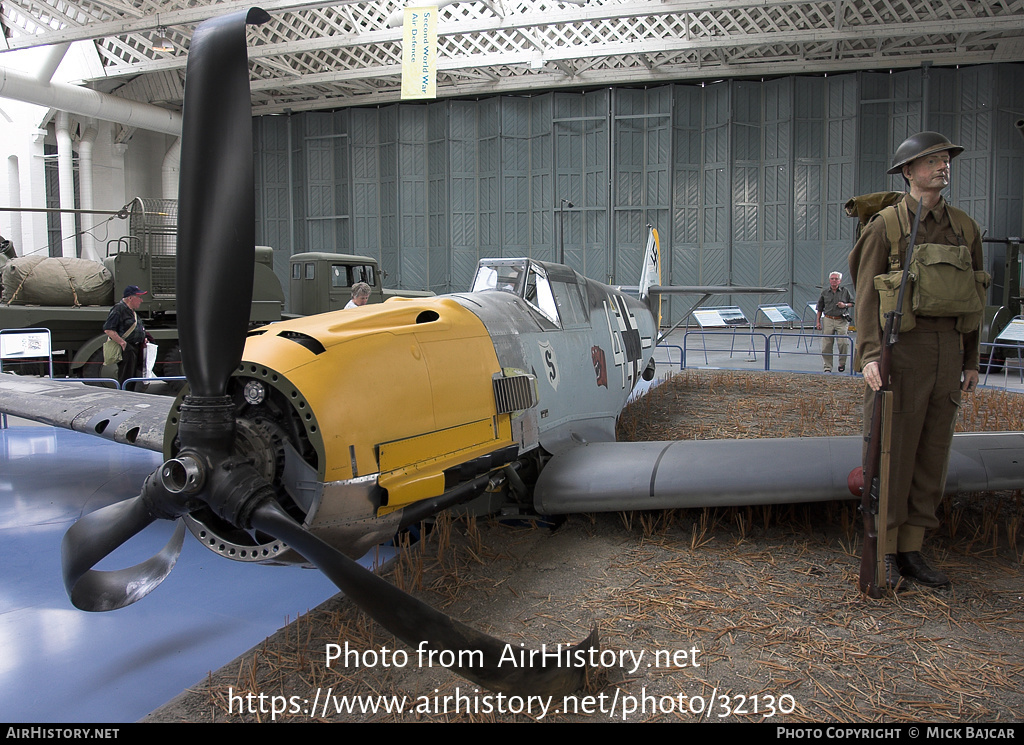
185 16
588 13
667 74
910 30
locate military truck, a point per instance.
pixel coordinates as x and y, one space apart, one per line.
322 282
146 257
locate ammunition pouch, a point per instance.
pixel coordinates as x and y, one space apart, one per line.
888 288
969 322
945 284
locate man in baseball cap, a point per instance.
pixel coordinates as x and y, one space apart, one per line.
125 329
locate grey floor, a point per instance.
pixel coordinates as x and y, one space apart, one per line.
59 664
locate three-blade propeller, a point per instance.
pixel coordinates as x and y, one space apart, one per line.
216 238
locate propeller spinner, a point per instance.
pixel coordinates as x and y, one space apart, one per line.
216 235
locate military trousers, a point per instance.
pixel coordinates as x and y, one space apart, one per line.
927 366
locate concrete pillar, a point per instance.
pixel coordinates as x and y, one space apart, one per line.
89 250
66 176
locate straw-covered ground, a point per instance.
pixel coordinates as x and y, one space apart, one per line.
720 615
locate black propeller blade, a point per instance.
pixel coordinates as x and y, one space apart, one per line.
95 536
413 621
216 238
216 207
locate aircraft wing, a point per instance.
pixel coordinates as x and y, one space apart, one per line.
122 416
604 477
713 290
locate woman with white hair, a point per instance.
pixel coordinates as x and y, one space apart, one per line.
360 295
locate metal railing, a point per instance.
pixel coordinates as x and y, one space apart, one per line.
154 379
774 345
764 344
1004 366
846 360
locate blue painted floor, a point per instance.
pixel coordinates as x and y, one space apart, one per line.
59 664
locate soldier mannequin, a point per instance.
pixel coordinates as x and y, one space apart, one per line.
931 364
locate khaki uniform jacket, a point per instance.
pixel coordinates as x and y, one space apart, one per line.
870 257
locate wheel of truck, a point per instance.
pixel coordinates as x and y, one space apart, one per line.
94 368
169 366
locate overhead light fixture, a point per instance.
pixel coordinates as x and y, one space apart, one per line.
162 43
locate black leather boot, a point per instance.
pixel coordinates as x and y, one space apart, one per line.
912 565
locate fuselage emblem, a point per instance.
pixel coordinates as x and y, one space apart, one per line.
547 353
600 369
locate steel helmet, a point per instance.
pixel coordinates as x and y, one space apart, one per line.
919 145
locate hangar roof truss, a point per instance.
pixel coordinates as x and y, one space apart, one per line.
319 55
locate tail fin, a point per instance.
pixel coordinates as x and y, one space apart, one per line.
651 273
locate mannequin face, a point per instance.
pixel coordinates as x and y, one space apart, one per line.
928 174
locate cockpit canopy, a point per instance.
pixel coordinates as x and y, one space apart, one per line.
551 290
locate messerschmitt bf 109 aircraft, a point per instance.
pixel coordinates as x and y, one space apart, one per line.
310 441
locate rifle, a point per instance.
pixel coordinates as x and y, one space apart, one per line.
874 486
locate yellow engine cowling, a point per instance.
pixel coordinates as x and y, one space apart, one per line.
402 389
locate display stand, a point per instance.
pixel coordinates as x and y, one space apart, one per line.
724 317
1011 337
24 345
779 315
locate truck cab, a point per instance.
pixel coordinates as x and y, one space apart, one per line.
322 282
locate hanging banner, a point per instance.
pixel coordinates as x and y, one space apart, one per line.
419 53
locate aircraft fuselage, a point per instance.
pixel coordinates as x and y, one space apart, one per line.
358 414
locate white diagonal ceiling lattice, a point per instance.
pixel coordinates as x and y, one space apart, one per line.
317 55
